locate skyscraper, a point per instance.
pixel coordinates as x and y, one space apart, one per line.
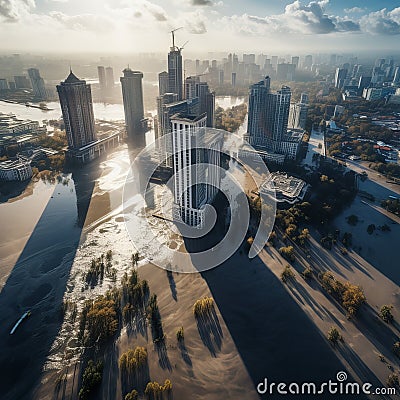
340 77
195 88
77 110
132 94
196 156
298 113
163 83
22 82
110 81
396 76
268 120
102 79
308 61
37 82
175 79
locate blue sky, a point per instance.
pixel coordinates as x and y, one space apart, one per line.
252 25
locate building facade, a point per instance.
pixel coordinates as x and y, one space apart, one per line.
101 72
37 82
196 162
268 119
175 77
163 83
195 88
132 93
15 170
77 110
268 115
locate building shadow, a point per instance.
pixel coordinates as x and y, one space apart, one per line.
274 337
10 190
38 282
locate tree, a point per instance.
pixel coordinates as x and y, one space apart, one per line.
352 219
203 306
288 253
334 335
180 334
99 319
154 390
386 313
135 258
307 273
133 395
287 274
91 379
353 298
392 380
370 229
396 349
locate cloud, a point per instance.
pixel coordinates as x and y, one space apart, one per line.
382 22
311 18
193 22
202 2
156 11
198 27
354 10
297 18
13 10
83 22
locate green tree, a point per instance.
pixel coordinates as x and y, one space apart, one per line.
287 274
91 379
386 313
334 335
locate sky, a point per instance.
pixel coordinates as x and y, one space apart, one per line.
131 26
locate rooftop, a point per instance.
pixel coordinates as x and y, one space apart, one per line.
287 188
13 164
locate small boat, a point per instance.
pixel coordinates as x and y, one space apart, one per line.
26 314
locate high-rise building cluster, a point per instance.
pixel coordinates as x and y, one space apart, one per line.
106 81
184 110
250 68
268 121
370 82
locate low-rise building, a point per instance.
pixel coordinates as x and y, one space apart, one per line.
289 146
11 125
288 189
16 170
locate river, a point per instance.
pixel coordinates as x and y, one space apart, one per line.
103 111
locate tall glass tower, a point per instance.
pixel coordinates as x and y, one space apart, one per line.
77 110
132 93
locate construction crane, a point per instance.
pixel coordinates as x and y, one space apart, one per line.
173 35
183 46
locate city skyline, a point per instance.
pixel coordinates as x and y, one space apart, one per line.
279 25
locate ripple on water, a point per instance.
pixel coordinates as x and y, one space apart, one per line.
37 295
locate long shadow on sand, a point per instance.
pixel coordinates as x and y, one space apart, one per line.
274 337
38 281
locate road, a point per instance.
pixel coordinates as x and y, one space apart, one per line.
374 176
316 139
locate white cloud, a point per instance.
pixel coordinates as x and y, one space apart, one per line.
354 10
297 18
13 10
382 22
83 22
